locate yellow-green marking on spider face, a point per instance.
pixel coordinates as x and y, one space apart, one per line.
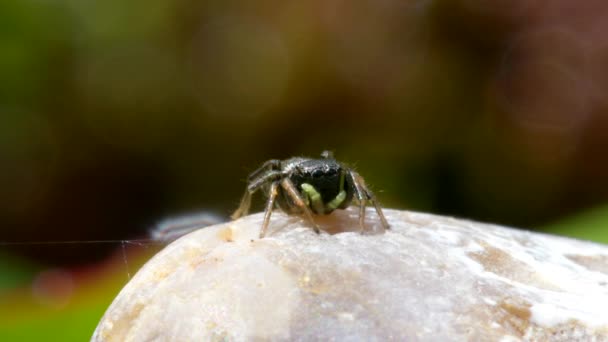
314 196
335 203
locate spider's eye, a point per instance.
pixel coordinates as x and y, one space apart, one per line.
317 174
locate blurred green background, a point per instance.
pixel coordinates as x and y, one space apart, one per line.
115 114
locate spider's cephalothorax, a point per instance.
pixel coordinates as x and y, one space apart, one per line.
308 186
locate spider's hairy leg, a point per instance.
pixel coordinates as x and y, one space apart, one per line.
293 193
272 195
243 208
254 185
272 164
363 195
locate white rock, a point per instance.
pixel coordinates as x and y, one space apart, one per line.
430 278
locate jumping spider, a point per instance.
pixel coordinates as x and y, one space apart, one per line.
310 186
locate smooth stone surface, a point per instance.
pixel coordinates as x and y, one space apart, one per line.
430 278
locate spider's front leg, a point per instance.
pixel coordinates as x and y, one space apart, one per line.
243 208
272 196
269 165
363 195
296 197
255 183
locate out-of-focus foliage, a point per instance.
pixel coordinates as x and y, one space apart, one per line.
60 304
114 114
590 225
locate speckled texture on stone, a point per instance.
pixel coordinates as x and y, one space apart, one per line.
430 278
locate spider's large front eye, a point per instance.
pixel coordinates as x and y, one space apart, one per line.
317 174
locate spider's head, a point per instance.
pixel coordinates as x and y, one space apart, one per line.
323 183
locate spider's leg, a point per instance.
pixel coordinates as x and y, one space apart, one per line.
254 185
299 201
361 197
243 208
272 164
272 195
363 191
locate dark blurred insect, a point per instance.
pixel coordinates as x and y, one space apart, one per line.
309 186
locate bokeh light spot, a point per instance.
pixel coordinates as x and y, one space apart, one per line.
53 287
240 66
